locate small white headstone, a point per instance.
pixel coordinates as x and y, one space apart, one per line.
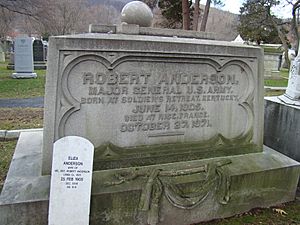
71 180
24 58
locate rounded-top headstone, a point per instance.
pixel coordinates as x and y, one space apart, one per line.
138 13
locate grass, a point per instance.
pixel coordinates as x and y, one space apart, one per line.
20 88
268 216
284 73
20 118
277 83
274 93
272 49
6 152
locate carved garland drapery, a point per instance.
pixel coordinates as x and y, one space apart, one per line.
158 183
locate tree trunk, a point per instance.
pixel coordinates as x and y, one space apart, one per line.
294 26
185 15
205 16
282 37
196 15
285 45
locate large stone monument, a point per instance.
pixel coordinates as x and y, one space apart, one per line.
23 58
177 125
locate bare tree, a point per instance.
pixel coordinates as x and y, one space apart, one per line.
25 7
59 17
101 14
185 15
196 14
205 15
294 25
6 18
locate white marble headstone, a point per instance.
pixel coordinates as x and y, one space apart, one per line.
24 58
292 93
71 179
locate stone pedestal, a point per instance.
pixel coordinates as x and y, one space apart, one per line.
214 188
24 75
282 124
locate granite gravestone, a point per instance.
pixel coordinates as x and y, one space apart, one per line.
39 55
71 179
23 58
38 51
176 124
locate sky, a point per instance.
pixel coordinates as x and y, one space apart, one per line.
282 11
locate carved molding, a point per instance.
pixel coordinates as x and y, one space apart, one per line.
216 182
71 105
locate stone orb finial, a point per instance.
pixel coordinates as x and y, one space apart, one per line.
138 13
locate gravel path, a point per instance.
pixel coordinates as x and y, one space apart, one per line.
37 102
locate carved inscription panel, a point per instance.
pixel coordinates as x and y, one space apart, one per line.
144 101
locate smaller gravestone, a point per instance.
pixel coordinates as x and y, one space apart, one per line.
71 179
23 58
2 53
38 51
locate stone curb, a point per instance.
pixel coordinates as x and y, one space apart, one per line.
14 134
275 88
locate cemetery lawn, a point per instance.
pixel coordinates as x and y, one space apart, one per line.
21 118
20 88
283 82
6 152
285 214
274 93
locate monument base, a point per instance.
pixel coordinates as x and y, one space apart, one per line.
175 193
40 65
282 121
288 101
24 75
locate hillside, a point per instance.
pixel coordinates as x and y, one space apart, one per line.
117 4
221 22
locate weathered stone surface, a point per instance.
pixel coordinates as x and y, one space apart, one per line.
170 98
177 126
137 12
272 65
101 28
71 180
281 129
23 58
254 181
151 31
292 93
